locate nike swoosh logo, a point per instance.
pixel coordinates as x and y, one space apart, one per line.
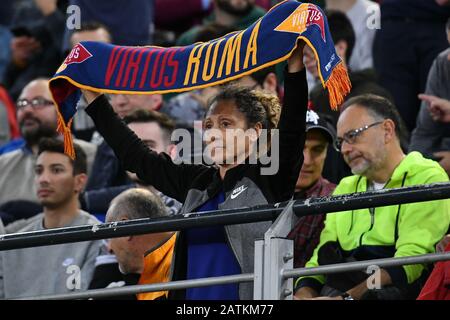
235 195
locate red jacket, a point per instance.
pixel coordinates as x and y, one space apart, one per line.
437 286
11 112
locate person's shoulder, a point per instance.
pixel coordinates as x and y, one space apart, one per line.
86 146
11 156
87 218
423 170
12 145
347 185
25 225
188 37
257 11
443 58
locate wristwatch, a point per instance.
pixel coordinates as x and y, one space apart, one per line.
346 296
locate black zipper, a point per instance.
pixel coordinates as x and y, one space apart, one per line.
372 217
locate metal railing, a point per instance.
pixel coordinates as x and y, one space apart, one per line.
248 277
273 272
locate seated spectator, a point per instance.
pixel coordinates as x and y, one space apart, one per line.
5 50
363 81
108 172
431 136
180 15
130 24
37 30
155 129
361 15
45 270
37 119
437 286
18 210
191 106
4 125
237 15
83 127
9 129
319 134
142 259
404 49
369 139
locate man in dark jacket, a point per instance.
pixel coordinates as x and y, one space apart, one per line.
320 133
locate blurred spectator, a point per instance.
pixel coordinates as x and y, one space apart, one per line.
369 138
437 286
37 30
155 130
443 243
130 24
191 106
360 13
432 133
180 15
108 171
363 81
83 127
18 210
236 14
142 259
9 129
37 119
187 107
411 36
49 269
320 133
5 50
4 125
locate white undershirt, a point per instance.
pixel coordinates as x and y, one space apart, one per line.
376 186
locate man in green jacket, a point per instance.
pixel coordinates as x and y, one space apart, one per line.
369 131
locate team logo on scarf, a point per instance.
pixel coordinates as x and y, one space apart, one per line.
145 70
78 54
303 17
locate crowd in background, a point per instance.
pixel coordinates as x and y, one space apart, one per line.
397 53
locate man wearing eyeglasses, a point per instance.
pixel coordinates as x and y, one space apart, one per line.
369 133
37 119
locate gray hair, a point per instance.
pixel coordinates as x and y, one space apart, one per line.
137 204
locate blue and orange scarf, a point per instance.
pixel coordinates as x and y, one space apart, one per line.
118 69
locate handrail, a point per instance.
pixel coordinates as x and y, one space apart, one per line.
225 217
292 273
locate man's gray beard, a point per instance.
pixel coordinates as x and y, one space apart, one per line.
32 137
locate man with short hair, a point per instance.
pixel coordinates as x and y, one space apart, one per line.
37 119
369 131
142 259
155 129
108 172
320 133
59 268
83 127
